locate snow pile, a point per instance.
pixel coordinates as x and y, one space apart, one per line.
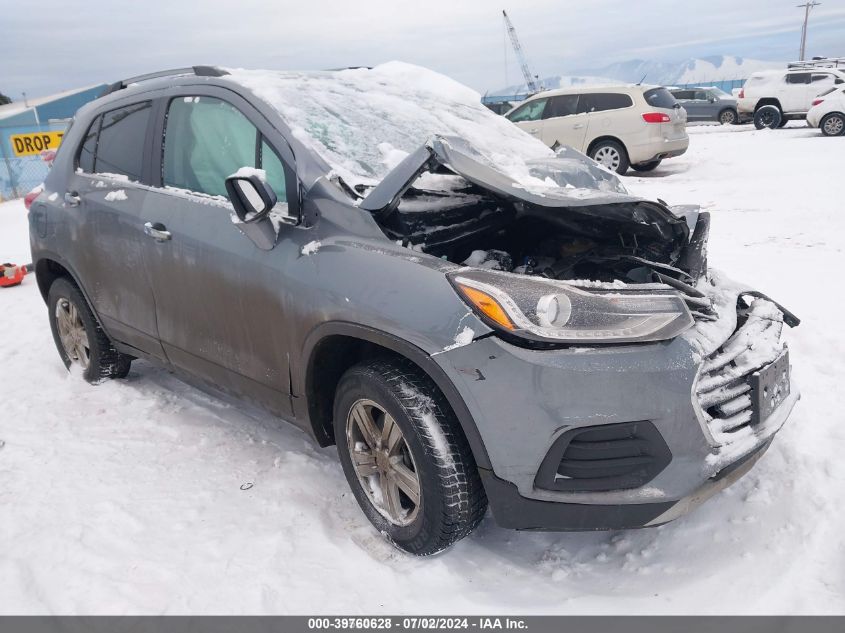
364 121
311 247
117 195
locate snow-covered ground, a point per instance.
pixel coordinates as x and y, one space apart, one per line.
134 496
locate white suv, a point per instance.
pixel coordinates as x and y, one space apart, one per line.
617 126
775 97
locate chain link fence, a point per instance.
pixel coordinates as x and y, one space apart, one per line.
23 149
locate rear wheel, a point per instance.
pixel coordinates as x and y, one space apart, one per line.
610 154
728 117
405 457
80 340
647 166
833 124
768 116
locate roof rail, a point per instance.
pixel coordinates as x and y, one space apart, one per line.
199 71
818 62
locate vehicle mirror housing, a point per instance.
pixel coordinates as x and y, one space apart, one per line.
251 196
253 199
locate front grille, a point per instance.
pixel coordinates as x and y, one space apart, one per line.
606 457
723 388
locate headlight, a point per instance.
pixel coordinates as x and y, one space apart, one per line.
555 311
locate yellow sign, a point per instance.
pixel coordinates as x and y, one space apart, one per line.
35 142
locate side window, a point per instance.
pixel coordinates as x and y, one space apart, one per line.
85 157
273 166
610 101
682 94
206 140
586 103
531 111
120 145
822 78
561 106
798 78
700 95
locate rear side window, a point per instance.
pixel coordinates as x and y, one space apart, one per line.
659 98
114 142
120 146
531 111
798 78
85 158
206 140
563 105
682 94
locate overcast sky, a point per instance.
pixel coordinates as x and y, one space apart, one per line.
55 45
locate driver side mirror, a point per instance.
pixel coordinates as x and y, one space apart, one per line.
253 199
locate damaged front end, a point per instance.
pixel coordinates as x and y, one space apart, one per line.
577 223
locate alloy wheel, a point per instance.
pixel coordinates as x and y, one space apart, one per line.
727 117
383 462
72 333
834 125
609 157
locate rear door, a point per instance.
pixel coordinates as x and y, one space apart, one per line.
529 116
661 101
610 114
795 94
109 189
563 123
220 301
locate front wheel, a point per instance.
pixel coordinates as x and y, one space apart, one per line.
647 166
833 124
611 155
405 457
728 117
80 340
768 116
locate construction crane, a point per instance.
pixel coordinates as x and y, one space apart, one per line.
530 79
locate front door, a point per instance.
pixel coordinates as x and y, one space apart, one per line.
529 117
219 299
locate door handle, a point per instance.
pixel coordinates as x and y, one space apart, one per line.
534 130
72 199
157 231
578 126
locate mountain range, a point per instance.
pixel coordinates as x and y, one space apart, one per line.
698 70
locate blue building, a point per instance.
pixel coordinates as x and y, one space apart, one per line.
29 127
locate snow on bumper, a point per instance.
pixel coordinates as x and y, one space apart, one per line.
524 400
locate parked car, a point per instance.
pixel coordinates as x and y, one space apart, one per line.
775 97
619 126
828 112
707 104
374 256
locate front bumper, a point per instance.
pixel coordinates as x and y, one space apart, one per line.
523 401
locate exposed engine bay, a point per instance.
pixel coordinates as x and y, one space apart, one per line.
443 202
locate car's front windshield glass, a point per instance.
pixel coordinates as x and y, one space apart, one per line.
363 122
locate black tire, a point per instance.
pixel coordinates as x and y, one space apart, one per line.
451 500
647 166
768 116
783 122
103 360
728 116
833 124
623 163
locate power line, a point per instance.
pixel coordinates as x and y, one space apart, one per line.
807 6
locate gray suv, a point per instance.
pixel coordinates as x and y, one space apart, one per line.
373 256
707 104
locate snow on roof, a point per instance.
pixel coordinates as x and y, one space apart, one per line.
363 122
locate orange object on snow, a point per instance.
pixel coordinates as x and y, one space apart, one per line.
12 275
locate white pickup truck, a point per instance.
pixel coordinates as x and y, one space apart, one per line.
774 97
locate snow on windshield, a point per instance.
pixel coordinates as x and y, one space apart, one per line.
363 122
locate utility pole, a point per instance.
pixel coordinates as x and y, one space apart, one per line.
807 6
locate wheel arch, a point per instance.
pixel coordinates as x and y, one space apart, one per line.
607 137
767 101
333 347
